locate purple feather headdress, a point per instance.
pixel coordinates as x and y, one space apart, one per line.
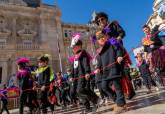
22 60
115 42
93 39
106 30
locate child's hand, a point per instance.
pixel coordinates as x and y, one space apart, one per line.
87 76
71 79
34 87
119 59
43 88
97 71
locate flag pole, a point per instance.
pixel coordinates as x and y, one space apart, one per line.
58 46
59 53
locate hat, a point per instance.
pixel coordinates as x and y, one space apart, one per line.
22 60
76 40
44 58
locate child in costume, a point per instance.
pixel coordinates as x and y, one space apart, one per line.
145 72
4 99
81 74
44 76
23 76
111 54
72 88
63 88
115 34
151 46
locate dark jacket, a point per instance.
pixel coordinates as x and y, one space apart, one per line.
23 76
107 56
157 43
83 67
144 69
116 30
44 77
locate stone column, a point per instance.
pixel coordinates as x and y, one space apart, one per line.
4 71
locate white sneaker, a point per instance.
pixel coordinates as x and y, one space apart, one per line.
106 100
101 102
157 89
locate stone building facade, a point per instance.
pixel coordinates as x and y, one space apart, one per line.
31 30
154 19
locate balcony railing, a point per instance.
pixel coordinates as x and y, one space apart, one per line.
27 46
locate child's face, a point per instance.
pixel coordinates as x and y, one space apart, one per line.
102 22
42 64
102 40
76 49
58 75
139 58
146 30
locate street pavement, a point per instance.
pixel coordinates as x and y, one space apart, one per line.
142 103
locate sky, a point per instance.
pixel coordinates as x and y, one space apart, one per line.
131 14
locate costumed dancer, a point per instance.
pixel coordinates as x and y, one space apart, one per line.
23 76
63 87
151 45
52 95
145 72
72 88
81 74
44 75
152 52
108 55
4 99
116 33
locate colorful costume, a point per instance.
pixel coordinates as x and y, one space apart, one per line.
23 76
81 68
44 75
157 49
108 56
